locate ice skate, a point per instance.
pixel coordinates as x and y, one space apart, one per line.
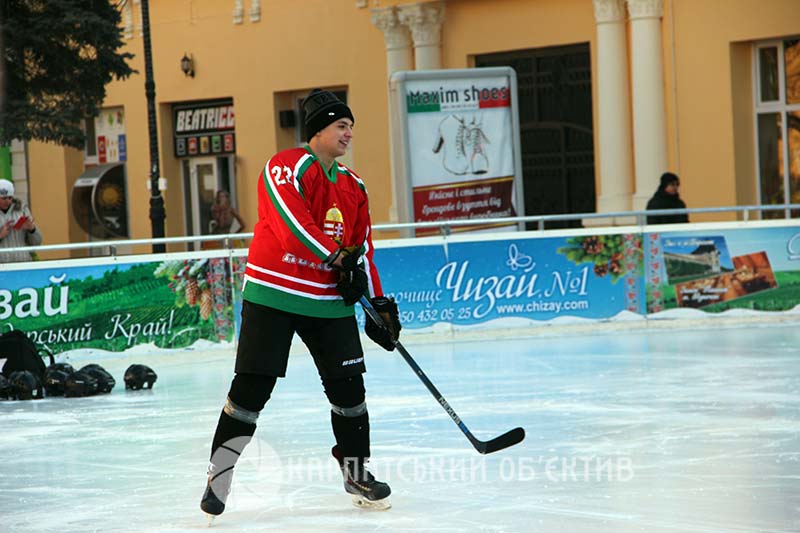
216 493
365 490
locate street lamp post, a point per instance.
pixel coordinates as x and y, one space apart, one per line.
157 211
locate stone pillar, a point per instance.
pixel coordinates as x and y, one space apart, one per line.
425 22
613 103
238 11
255 10
398 57
649 120
396 38
139 28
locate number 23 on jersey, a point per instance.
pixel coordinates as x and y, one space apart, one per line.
282 176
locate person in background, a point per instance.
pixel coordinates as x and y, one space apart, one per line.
224 218
667 197
17 227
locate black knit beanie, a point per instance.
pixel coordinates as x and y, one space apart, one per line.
323 108
667 178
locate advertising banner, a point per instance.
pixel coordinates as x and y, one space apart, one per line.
171 303
512 282
509 280
754 268
461 144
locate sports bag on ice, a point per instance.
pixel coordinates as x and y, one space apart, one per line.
19 352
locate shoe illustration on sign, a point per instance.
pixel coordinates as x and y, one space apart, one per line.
462 145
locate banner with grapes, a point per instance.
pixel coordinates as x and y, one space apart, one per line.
170 303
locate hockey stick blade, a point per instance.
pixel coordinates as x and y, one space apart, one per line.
505 440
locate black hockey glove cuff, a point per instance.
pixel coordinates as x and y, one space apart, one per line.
386 334
351 256
352 284
352 275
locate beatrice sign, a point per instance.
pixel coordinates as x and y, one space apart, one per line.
204 128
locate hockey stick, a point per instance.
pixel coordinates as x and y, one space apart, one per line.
505 440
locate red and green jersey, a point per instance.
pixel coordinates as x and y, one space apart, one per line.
304 215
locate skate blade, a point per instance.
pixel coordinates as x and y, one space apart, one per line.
210 518
376 505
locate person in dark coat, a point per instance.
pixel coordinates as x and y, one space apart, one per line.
667 197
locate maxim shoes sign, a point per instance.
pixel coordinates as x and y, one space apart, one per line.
460 141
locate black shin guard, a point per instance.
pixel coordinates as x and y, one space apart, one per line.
349 416
237 422
352 435
235 429
232 434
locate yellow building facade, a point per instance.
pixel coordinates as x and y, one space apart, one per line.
611 94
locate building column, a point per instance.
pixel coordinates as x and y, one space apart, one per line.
613 103
425 22
238 11
649 120
397 39
398 57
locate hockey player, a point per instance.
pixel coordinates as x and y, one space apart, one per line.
309 262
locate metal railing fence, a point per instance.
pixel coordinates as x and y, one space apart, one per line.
445 227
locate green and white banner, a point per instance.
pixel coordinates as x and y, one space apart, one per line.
169 303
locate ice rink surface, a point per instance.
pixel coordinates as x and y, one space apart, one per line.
667 430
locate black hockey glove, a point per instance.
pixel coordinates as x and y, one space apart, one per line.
352 284
352 275
385 334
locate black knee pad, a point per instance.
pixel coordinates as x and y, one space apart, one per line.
345 392
251 391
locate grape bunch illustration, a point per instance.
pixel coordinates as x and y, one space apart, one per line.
611 255
189 281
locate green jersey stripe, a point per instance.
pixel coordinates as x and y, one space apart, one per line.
260 294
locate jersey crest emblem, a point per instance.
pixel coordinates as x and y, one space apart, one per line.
334 224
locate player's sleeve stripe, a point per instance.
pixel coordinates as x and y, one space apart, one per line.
289 219
299 169
345 170
365 248
290 278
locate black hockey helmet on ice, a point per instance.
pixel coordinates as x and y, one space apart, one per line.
80 384
5 388
105 381
55 379
136 376
25 385
64 367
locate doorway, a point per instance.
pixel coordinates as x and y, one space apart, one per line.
202 178
554 87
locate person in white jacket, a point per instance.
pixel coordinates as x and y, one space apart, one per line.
17 227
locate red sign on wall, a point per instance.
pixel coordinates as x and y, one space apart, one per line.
101 148
490 198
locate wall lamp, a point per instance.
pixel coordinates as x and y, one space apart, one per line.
187 65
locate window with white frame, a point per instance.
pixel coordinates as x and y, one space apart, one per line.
777 122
